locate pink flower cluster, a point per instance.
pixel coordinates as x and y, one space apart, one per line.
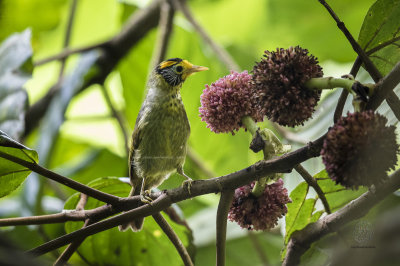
359 149
226 101
259 213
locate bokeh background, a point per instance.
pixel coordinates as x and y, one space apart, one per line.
90 143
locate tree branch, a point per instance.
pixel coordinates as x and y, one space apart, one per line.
118 116
222 217
164 32
258 248
386 86
199 187
187 261
112 52
301 240
45 219
70 250
313 183
221 53
97 194
369 66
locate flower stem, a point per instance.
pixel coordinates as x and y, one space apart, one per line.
259 187
330 83
250 124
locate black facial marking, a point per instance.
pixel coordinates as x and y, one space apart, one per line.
174 59
172 76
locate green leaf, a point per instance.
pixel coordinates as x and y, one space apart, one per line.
15 56
112 247
381 25
12 174
336 195
300 212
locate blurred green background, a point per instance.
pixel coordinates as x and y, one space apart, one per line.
90 143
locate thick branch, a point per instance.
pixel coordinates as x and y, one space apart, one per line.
386 86
302 240
199 187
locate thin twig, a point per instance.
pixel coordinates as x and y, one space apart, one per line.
167 13
301 240
160 220
70 51
343 96
198 162
118 116
70 250
97 194
221 53
258 248
82 202
369 66
314 184
222 217
68 33
44 219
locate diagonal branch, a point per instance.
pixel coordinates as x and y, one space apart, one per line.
164 32
112 52
302 240
160 220
97 194
221 53
386 86
313 183
369 66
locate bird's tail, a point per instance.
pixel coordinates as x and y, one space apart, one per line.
136 224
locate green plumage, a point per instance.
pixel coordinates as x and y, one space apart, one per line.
159 140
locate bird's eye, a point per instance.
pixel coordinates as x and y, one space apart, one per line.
179 69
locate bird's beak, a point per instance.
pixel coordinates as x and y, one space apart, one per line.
193 69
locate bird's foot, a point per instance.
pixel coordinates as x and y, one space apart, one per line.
188 183
145 197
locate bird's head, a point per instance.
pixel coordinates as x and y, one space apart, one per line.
174 71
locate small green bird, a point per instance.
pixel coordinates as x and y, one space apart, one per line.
161 131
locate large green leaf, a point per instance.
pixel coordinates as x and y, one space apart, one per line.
336 195
301 211
112 247
12 174
381 25
15 70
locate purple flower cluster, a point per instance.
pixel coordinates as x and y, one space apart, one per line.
279 78
259 213
226 101
359 149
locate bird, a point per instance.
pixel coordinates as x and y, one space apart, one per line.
159 139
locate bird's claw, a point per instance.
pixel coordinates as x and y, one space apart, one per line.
188 182
145 197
